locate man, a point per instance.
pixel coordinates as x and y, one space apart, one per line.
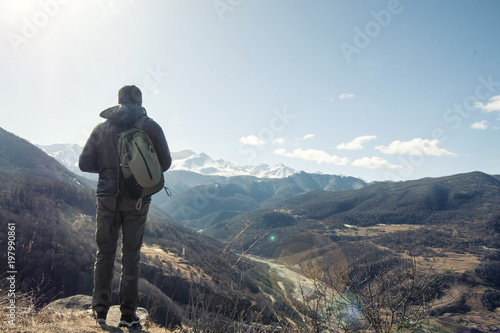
115 207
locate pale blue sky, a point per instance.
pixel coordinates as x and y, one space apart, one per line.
375 89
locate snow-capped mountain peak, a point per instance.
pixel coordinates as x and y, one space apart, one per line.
66 154
183 154
188 160
203 164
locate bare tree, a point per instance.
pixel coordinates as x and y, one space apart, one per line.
379 291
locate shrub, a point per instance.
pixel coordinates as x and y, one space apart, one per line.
491 299
489 269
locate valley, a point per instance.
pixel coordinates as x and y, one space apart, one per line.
299 288
290 283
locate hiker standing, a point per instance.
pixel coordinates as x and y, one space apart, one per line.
116 206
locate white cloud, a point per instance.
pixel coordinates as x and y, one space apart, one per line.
346 96
314 155
416 146
481 125
278 141
357 143
308 136
492 105
373 163
251 140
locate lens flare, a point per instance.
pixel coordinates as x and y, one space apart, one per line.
348 309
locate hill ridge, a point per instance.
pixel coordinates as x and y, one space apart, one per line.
429 201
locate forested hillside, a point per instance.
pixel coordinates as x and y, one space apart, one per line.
205 205
430 201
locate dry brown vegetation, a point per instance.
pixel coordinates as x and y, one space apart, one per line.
28 318
446 261
463 290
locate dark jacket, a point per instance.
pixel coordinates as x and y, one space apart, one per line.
100 154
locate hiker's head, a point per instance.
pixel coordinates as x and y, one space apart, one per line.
130 94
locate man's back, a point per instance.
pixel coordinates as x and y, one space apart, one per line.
100 154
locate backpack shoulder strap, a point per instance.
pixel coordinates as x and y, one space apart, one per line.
139 122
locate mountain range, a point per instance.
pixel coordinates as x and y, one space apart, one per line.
201 206
185 160
203 164
442 233
254 186
462 198
261 184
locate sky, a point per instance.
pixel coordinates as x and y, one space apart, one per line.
380 90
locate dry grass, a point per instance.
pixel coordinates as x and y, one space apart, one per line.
377 230
450 262
447 261
183 268
29 320
68 321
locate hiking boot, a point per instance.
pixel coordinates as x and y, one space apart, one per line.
100 316
129 320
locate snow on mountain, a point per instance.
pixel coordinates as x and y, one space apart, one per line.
68 154
203 164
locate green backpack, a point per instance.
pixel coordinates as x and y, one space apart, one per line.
140 168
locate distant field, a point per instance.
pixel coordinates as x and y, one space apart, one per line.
451 261
446 261
377 230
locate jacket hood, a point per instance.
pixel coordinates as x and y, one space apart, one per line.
123 114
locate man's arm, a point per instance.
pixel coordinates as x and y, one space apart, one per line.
89 159
155 133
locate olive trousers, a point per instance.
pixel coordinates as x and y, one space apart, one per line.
112 215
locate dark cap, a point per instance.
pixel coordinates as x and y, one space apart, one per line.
130 94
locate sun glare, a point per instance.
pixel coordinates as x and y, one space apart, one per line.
28 23
12 11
